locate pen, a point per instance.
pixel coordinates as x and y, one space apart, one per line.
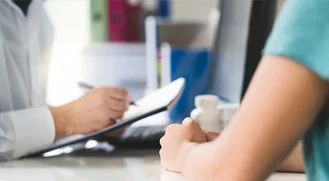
87 86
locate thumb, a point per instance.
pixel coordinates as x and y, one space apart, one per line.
188 122
194 128
192 124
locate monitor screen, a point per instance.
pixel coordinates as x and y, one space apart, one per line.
242 32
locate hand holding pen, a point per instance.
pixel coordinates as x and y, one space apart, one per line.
89 87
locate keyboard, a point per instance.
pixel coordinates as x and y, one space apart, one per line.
142 137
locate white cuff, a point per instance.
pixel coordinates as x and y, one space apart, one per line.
34 130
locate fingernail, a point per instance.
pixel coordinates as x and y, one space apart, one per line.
187 121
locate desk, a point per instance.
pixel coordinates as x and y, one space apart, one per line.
116 166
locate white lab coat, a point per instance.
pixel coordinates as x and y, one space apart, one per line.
26 123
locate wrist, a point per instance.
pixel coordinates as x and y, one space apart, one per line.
59 117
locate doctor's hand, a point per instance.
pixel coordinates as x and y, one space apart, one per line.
96 110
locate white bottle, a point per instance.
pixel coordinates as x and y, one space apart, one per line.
206 112
227 112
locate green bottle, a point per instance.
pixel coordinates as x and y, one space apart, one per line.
98 21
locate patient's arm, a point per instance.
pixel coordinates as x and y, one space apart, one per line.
294 162
280 105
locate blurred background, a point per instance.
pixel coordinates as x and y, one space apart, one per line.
142 45
73 33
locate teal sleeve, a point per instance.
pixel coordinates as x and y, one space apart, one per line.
301 33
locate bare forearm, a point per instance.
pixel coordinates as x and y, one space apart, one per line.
280 105
200 163
294 162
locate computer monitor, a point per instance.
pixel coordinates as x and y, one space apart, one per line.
243 29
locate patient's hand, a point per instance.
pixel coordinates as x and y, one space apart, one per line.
178 140
210 135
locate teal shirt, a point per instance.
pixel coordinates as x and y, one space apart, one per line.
302 34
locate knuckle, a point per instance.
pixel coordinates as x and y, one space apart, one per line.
124 92
102 93
117 89
121 106
171 127
162 141
110 90
117 115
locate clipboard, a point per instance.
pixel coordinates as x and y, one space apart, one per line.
159 101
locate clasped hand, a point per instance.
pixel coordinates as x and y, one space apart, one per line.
178 140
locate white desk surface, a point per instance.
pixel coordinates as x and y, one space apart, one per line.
117 166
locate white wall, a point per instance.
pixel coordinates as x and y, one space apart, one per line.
71 25
193 9
187 9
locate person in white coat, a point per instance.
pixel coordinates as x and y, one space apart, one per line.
27 124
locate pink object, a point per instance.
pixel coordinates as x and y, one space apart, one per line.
117 20
133 29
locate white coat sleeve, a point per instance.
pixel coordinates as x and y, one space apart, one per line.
25 131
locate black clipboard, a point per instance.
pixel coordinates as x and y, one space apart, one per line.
159 101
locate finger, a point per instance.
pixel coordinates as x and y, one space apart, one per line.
162 141
117 105
193 124
119 93
115 114
188 122
210 136
195 130
128 101
172 127
112 121
174 131
101 125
